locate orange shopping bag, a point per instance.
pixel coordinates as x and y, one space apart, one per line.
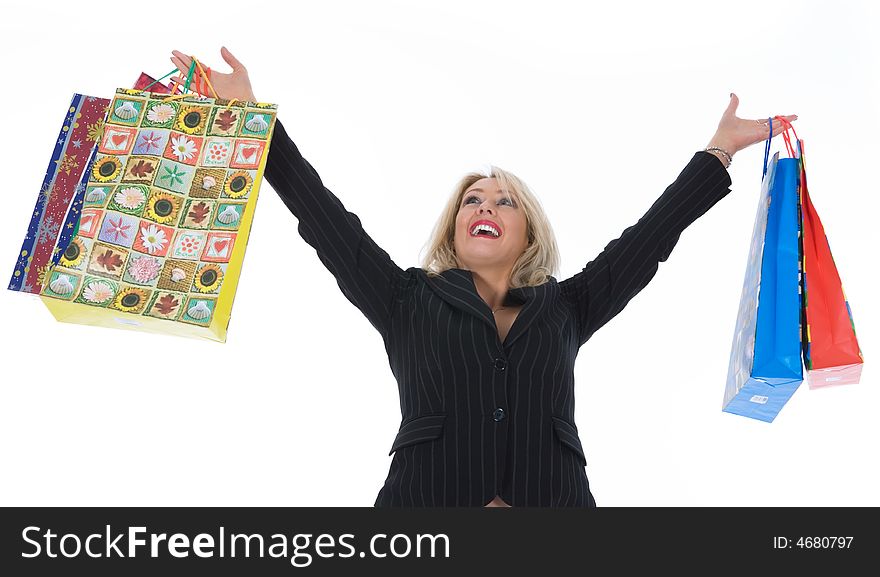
830 348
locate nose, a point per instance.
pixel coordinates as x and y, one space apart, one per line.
485 208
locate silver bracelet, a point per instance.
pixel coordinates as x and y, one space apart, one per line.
722 151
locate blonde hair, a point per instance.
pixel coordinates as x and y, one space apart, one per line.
539 261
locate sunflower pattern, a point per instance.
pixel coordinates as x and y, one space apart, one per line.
131 300
208 278
192 119
238 183
74 255
106 169
162 207
168 210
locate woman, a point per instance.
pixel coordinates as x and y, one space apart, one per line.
482 339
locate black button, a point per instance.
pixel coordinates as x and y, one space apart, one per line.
498 414
500 364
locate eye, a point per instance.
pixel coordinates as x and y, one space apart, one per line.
504 199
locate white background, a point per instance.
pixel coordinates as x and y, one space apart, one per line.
597 108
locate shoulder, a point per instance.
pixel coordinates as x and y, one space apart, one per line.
409 279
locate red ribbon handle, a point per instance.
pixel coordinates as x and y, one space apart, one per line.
786 127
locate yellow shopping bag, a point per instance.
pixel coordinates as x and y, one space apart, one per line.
164 210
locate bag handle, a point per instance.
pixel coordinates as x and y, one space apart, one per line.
767 147
788 146
170 86
788 126
195 77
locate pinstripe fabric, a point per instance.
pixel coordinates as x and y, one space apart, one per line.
480 416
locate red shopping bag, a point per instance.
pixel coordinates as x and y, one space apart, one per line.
830 348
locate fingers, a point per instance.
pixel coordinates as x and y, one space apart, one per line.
731 107
231 60
779 124
180 65
181 79
182 58
176 82
777 128
181 61
785 119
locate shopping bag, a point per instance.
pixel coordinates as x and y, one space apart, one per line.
831 350
163 215
147 83
765 363
54 220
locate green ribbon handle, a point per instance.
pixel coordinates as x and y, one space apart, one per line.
189 77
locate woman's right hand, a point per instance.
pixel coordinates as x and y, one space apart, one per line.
235 84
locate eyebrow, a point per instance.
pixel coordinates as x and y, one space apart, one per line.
481 190
510 196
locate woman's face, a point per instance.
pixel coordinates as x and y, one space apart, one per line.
484 202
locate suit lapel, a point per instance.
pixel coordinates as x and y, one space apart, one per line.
537 300
456 286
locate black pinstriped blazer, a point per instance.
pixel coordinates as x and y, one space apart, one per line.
482 417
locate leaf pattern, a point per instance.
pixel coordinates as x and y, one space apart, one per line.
198 212
226 120
166 304
141 169
109 260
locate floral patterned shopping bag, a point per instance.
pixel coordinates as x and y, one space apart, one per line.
162 215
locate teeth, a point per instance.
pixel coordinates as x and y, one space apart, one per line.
480 227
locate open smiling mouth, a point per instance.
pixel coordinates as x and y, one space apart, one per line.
485 231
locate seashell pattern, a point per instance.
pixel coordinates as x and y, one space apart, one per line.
62 285
96 195
126 111
178 274
199 311
257 124
229 215
209 182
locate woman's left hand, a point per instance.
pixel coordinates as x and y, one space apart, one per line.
735 133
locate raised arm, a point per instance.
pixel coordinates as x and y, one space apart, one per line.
365 273
608 282
628 263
